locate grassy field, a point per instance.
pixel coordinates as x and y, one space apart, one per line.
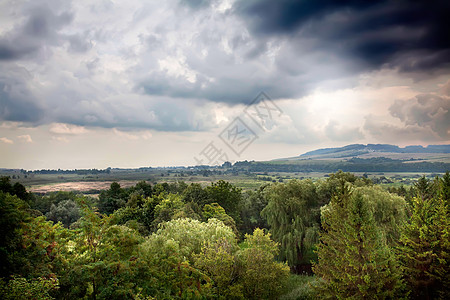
44 183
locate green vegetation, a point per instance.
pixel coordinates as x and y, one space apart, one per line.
354 259
337 237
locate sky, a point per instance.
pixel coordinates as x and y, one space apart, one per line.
96 84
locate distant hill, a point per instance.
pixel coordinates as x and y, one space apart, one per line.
372 150
360 158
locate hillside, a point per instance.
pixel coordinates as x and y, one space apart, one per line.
360 158
431 152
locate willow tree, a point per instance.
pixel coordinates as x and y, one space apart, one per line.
354 260
389 211
293 215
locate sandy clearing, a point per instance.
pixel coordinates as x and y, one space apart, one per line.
81 186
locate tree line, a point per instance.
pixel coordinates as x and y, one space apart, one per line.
352 165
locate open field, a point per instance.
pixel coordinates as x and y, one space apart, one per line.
93 184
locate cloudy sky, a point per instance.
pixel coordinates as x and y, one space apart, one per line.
92 84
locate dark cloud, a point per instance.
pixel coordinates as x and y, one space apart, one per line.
411 35
196 3
79 43
35 35
16 101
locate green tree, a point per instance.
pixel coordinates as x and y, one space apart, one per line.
388 210
12 216
44 203
164 272
192 234
227 196
216 211
293 215
19 288
66 212
445 188
423 188
354 260
16 189
253 203
171 206
261 276
425 249
100 260
218 260
140 217
196 194
167 259
112 199
42 243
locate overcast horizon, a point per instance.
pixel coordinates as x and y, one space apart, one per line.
96 84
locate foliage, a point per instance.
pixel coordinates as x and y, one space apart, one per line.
196 194
445 188
423 188
42 243
253 202
99 260
425 249
66 212
19 288
214 210
261 276
168 257
388 210
293 215
105 255
354 260
227 196
299 287
163 271
15 189
112 199
218 260
44 203
192 234
142 214
12 215
171 206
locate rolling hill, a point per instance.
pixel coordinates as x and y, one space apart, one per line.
431 152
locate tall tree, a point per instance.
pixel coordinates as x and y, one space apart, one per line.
292 213
226 195
354 260
262 277
425 249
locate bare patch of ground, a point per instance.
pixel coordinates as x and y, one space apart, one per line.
80 186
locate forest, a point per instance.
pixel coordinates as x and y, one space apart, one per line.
338 237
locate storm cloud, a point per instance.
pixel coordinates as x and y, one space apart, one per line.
36 35
410 35
172 66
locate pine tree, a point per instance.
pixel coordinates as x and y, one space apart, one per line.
445 188
354 260
425 249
